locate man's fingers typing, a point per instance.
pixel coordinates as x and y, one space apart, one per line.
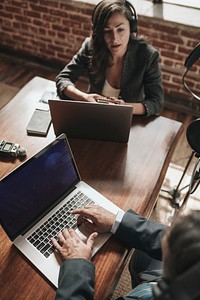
90 240
56 244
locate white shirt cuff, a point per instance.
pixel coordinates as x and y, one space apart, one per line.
117 222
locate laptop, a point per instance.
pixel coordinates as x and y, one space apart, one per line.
36 199
91 120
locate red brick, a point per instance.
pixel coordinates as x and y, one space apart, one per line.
54 30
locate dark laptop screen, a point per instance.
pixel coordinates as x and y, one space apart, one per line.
35 186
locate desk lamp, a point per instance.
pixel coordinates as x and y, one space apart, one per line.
193 138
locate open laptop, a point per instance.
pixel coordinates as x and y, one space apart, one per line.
35 202
91 120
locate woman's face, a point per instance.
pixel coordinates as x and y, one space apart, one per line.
116 34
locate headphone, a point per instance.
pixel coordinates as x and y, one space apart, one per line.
184 287
133 20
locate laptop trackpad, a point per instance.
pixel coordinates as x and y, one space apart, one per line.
99 240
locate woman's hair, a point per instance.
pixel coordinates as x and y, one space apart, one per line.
183 238
99 59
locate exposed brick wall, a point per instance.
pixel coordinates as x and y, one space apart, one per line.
54 30
49 29
175 42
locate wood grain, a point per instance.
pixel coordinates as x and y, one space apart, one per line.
130 175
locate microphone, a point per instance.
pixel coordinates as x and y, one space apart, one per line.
193 130
190 60
11 149
21 152
193 136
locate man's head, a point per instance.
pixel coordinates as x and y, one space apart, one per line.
181 245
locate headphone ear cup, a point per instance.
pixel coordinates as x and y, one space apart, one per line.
133 25
134 20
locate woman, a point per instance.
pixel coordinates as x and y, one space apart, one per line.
121 68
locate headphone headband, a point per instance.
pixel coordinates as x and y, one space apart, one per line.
131 8
134 19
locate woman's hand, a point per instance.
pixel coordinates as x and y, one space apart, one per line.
113 100
91 97
110 100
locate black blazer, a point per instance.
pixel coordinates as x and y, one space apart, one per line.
76 278
141 79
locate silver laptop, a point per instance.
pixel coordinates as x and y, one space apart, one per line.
35 202
91 120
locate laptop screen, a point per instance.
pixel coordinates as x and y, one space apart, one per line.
36 186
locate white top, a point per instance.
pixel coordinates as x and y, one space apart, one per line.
109 91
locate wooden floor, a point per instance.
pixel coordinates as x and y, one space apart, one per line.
15 72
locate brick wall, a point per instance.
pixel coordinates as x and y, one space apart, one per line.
175 42
53 30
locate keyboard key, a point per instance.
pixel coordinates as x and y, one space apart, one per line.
56 223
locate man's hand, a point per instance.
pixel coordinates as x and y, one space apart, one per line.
71 246
95 218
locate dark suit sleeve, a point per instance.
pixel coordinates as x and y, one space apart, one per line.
74 69
76 280
140 233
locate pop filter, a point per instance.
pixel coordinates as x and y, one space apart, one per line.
193 136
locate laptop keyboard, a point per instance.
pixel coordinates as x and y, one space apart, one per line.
62 218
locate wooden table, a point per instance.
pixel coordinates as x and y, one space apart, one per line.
129 175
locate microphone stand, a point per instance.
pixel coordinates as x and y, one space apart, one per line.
187 87
175 193
194 183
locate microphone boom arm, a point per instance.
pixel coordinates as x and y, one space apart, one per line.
186 86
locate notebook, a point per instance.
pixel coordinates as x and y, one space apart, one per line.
91 120
41 118
36 199
39 123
